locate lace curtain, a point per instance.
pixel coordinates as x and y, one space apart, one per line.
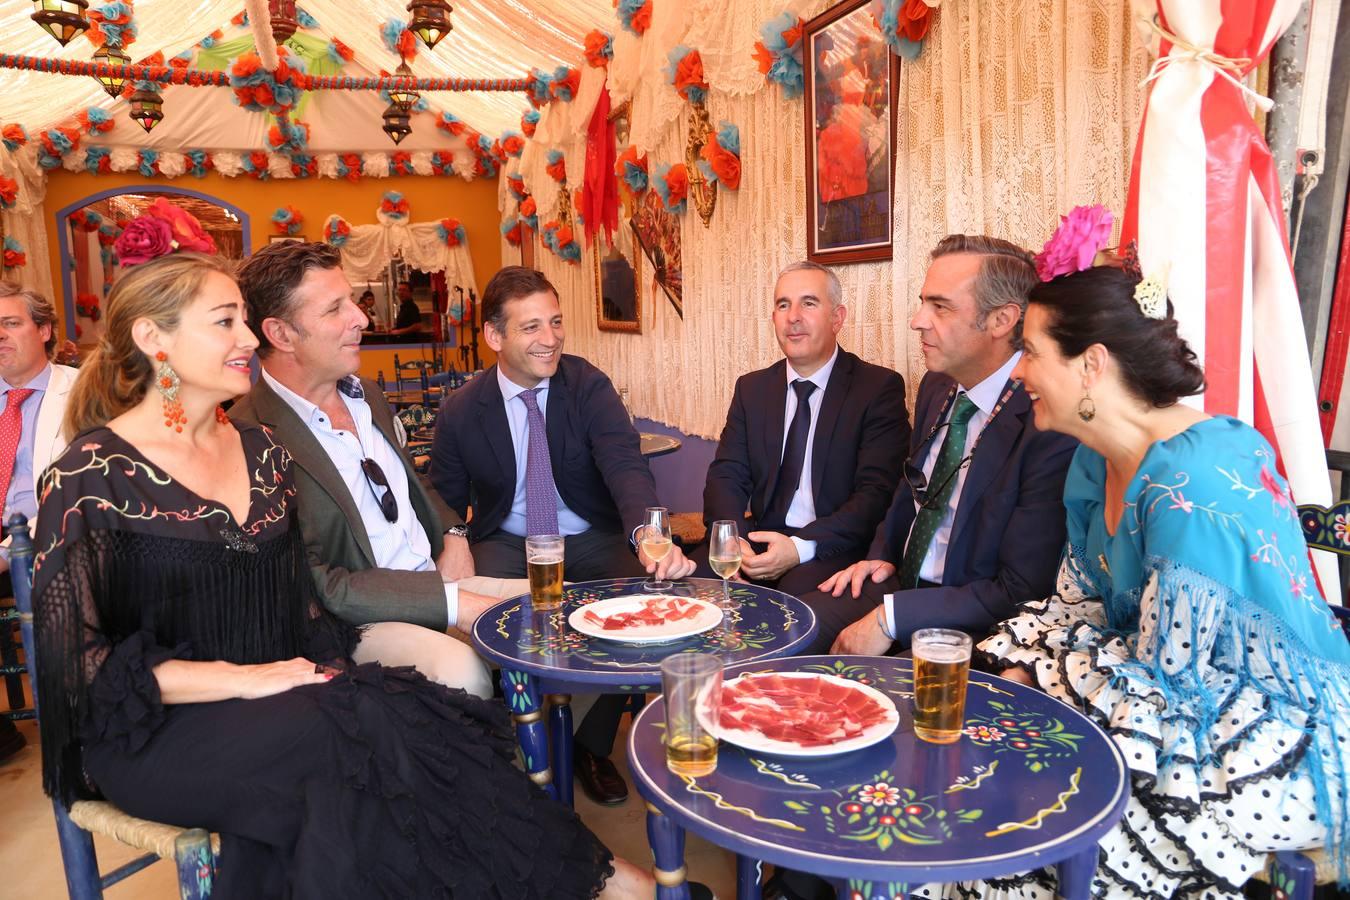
1013 113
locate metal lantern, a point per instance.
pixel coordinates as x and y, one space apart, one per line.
112 56
147 108
397 122
284 19
62 19
404 97
430 20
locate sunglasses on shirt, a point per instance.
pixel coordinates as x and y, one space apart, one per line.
375 476
918 482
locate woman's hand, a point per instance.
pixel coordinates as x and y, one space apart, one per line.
1018 675
266 679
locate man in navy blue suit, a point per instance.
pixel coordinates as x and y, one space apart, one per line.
977 522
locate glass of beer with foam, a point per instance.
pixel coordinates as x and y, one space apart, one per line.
544 564
941 667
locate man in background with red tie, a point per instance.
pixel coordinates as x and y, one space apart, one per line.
810 448
32 405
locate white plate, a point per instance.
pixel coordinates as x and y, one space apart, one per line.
759 743
709 616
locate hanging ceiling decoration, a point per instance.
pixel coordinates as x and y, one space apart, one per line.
114 56
147 107
430 20
62 19
404 97
397 122
285 21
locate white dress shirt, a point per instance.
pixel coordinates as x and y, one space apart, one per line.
802 511
518 420
402 544
20 497
985 396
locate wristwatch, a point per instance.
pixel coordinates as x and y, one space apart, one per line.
457 531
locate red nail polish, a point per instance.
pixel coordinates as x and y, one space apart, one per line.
328 676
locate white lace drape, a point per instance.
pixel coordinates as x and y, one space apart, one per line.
1013 113
370 248
26 223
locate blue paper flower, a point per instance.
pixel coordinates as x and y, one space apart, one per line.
148 158
635 177
305 19
93 157
198 160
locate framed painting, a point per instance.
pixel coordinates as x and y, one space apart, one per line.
618 290
851 90
658 234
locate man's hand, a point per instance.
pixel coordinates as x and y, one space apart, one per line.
864 637
856 575
673 565
471 606
455 561
779 555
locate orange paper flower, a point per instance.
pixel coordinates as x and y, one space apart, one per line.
642 19
914 19
677 181
9 191
763 58
725 164
689 73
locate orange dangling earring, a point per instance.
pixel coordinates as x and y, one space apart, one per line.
167 382
221 416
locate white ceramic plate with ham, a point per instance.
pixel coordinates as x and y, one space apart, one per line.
645 618
803 714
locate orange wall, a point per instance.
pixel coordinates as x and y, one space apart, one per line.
474 203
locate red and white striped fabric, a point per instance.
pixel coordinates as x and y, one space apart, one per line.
1204 206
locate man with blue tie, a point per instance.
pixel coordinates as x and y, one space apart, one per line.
540 443
977 523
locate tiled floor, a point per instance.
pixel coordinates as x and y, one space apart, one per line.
31 860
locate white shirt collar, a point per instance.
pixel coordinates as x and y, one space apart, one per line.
307 411
985 394
820 377
510 390
39 381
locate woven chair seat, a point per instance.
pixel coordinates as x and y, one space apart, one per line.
101 817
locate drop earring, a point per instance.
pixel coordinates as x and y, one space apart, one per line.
1087 410
167 382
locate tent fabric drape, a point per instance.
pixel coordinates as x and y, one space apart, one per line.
369 248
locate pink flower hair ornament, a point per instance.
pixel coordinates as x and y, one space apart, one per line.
1081 235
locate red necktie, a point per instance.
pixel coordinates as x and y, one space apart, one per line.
11 428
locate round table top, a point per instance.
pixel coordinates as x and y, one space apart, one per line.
764 624
1030 782
658 444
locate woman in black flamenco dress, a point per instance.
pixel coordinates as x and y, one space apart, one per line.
189 674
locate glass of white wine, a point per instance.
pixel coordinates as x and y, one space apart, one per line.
655 541
724 553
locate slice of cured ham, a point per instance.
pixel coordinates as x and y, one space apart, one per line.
804 710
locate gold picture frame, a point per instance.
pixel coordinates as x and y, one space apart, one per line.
616 308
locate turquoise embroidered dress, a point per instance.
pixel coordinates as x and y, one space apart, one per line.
1196 635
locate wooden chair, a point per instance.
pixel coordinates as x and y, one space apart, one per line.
193 850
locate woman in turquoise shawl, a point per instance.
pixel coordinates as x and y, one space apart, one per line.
1188 621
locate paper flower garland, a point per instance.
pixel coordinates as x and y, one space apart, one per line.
339 53
112 24
1074 245
88 306
98 160
672 184
259 90
721 162
257 166
529 213
779 53
400 163
94 120
632 170
450 231
635 15
393 208
14 255
291 137
559 238
511 231
904 23
599 49
9 192
513 144
398 39
85 220
557 166
14 136
199 163
517 186
564 84
538 90
450 124
684 69
529 122
287 220
336 231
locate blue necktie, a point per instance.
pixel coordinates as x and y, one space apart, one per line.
541 495
794 456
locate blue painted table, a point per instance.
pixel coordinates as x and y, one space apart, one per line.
1031 783
542 656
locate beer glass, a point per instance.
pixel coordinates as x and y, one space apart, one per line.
941 667
724 553
691 684
544 563
654 536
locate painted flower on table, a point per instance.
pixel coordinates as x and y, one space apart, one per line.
879 794
1340 528
1076 242
985 733
557 166
684 69
14 254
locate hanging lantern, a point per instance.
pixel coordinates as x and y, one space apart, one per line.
62 19
430 20
404 97
397 122
112 56
147 108
284 19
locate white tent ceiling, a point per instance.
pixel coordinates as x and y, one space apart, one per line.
491 39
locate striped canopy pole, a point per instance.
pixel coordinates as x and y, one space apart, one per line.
1204 206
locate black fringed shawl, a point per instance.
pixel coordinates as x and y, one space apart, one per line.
134 569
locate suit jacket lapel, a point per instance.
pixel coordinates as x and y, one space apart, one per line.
991 453
555 422
47 443
309 455
492 420
836 389
774 402
382 417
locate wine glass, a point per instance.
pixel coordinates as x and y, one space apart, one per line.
724 553
655 540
